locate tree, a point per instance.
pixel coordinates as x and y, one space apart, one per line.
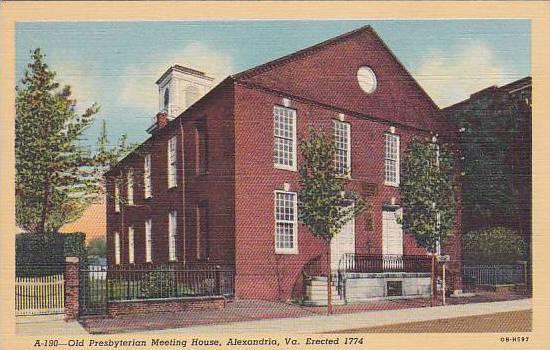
427 196
321 197
52 185
56 176
496 149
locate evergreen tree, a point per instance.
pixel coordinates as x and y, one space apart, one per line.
56 177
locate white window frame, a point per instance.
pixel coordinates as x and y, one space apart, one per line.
131 256
172 153
117 248
277 135
347 170
294 248
148 193
387 158
117 196
130 187
148 240
172 231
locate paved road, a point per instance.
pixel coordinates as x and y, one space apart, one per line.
320 324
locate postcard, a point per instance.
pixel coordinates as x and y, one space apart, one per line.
274 175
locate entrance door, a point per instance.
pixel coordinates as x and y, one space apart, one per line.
392 233
343 242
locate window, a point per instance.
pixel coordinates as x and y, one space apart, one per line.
284 151
202 230
391 163
172 229
148 241
342 143
147 176
172 163
286 222
117 197
166 101
131 244
117 248
130 186
201 142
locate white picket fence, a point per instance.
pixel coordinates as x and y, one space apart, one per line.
39 295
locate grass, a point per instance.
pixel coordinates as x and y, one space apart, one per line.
513 321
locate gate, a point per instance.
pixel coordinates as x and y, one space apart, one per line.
93 290
39 290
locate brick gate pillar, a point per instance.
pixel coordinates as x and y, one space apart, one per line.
72 285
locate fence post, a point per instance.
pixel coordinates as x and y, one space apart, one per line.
72 285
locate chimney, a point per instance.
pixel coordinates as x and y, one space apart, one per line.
162 120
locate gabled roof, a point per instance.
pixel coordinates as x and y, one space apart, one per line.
405 102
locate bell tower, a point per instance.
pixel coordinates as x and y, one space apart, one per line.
180 87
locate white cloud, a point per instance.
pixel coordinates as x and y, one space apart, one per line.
452 76
84 85
139 88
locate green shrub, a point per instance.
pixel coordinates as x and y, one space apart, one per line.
495 245
158 284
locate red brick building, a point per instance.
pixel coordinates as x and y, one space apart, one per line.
218 182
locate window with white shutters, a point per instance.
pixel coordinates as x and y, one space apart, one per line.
391 161
284 147
342 143
147 176
148 240
286 223
172 163
172 229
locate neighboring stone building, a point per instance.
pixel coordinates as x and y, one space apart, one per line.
219 182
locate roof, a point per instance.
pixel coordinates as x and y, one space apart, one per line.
92 222
245 76
185 70
510 87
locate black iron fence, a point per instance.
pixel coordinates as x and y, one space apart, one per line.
384 263
101 284
169 282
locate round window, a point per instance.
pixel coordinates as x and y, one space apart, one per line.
366 79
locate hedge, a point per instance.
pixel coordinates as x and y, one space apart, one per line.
37 254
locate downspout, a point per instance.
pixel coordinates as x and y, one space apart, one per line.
184 212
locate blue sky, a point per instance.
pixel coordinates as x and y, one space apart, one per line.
117 63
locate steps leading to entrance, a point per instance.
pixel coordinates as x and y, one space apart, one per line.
316 292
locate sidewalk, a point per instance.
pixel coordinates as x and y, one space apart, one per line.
333 323
47 325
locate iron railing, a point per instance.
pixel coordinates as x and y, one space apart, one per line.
384 263
169 282
475 275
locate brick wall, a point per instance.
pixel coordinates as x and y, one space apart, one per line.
260 272
216 188
116 308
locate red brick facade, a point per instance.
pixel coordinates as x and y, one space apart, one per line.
320 84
